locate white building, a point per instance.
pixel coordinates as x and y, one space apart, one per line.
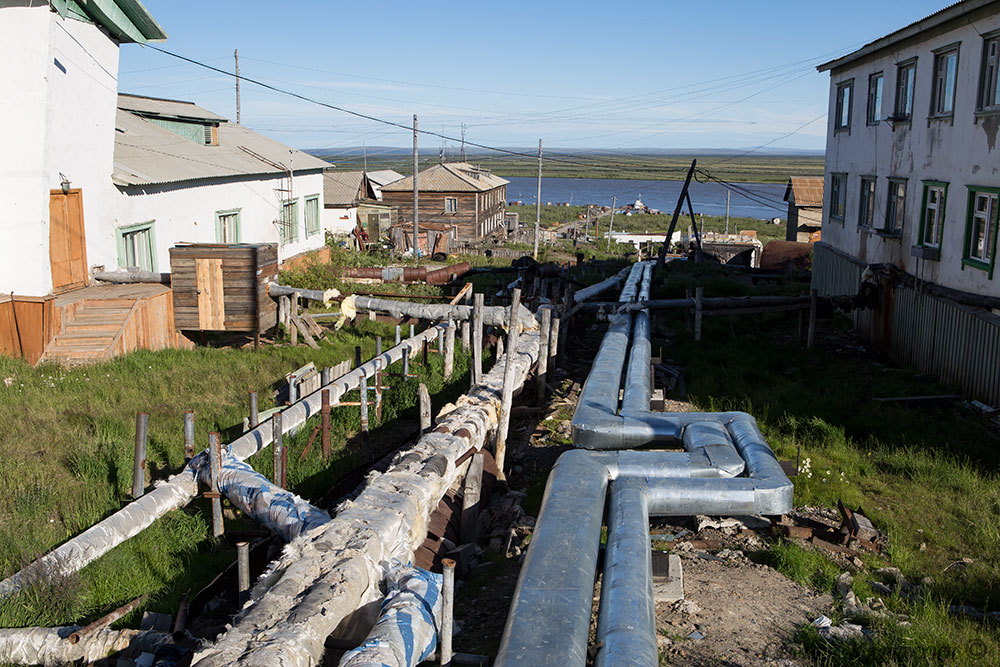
185 174
912 172
912 187
91 178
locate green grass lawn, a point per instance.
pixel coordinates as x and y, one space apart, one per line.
927 478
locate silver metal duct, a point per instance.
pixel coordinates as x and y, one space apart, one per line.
549 619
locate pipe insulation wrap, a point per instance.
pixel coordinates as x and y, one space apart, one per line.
179 490
327 577
407 628
492 315
593 290
51 646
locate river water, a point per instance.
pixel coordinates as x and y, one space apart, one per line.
708 198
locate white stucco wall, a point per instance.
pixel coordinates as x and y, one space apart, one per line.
340 221
186 212
960 152
57 96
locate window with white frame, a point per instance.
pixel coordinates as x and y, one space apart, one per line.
906 76
989 76
895 210
312 215
866 211
838 196
288 222
932 214
981 228
227 226
945 80
451 204
875 82
845 94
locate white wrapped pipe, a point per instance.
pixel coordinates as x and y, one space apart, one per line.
492 315
324 577
51 646
603 286
180 489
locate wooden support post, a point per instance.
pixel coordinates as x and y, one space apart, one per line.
139 462
811 332
397 334
699 294
564 317
447 610
477 340
499 349
413 331
378 392
371 315
406 362
215 470
471 493
507 393
440 340
466 329
425 346
687 312
543 355
324 376
243 571
293 314
425 408
324 412
357 356
293 389
254 412
449 351
363 392
554 333
279 447
283 308
378 346
188 435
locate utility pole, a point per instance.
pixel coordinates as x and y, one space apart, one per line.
538 202
364 153
728 192
461 153
586 228
611 225
416 210
236 55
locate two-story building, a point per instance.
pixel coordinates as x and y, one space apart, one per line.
912 186
470 199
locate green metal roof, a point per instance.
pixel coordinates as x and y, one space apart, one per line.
126 20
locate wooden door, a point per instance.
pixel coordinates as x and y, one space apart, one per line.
67 240
211 303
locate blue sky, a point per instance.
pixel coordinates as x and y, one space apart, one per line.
667 74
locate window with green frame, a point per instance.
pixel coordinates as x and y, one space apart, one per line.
980 247
227 226
288 224
312 215
932 210
137 246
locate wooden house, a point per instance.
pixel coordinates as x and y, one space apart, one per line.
805 208
469 198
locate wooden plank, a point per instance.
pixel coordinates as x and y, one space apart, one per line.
304 330
211 302
314 328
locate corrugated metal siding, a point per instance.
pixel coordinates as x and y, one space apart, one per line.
958 344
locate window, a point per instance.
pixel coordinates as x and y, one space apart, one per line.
943 92
866 213
227 226
981 229
895 210
312 215
451 204
932 214
288 224
906 75
989 77
844 93
838 196
137 246
875 98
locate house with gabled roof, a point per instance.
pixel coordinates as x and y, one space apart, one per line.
804 195
470 199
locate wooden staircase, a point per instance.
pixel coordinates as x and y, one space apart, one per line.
89 332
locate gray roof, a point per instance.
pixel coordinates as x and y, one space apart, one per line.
951 14
163 108
146 153
449 177
341 187
384 176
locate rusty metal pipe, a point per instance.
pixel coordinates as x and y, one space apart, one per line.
106 620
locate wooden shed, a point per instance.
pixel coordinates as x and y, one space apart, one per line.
223 287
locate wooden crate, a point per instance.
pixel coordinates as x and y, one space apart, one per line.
223 287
